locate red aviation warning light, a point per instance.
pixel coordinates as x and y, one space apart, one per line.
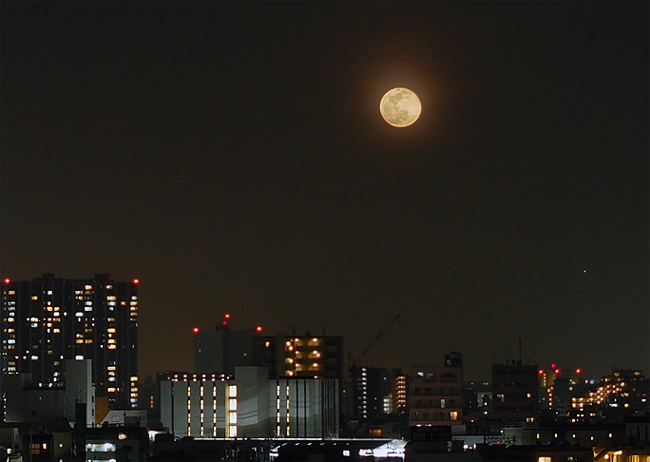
578 371
7 281
541 372
195 330
227 316
136 281
557 371
224 323
553 366
258 328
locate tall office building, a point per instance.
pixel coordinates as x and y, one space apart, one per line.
221 350
48 320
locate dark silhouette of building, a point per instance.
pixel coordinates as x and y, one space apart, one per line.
477 398
48 320
221 349
435 392
515 392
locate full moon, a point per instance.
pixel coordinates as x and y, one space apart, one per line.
400 107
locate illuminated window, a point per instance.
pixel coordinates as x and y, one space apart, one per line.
105 447
34 449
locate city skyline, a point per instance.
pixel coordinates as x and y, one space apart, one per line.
232 157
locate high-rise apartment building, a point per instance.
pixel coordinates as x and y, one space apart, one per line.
48 320
373 392
300 355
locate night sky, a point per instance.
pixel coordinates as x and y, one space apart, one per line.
232 157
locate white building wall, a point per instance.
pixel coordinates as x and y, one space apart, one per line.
250 405
188 405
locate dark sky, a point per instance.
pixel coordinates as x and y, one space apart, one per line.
233 158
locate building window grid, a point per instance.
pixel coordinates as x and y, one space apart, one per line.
201 406
288 431
232 414
214 408
189 407
278 429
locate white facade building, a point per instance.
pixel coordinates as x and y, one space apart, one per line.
249 405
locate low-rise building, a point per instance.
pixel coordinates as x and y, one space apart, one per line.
250 404
435 392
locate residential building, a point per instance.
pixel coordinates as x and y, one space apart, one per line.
477 397
48 320
616 397
300 355
435 392
515 392
373 393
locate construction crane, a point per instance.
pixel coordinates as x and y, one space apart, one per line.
352 363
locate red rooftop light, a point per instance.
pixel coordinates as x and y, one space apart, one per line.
195 330
258 328
557 371
227 316
541 372
225 323
578 371
7 281
136 281
553 366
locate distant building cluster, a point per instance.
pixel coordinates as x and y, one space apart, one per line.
71 391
